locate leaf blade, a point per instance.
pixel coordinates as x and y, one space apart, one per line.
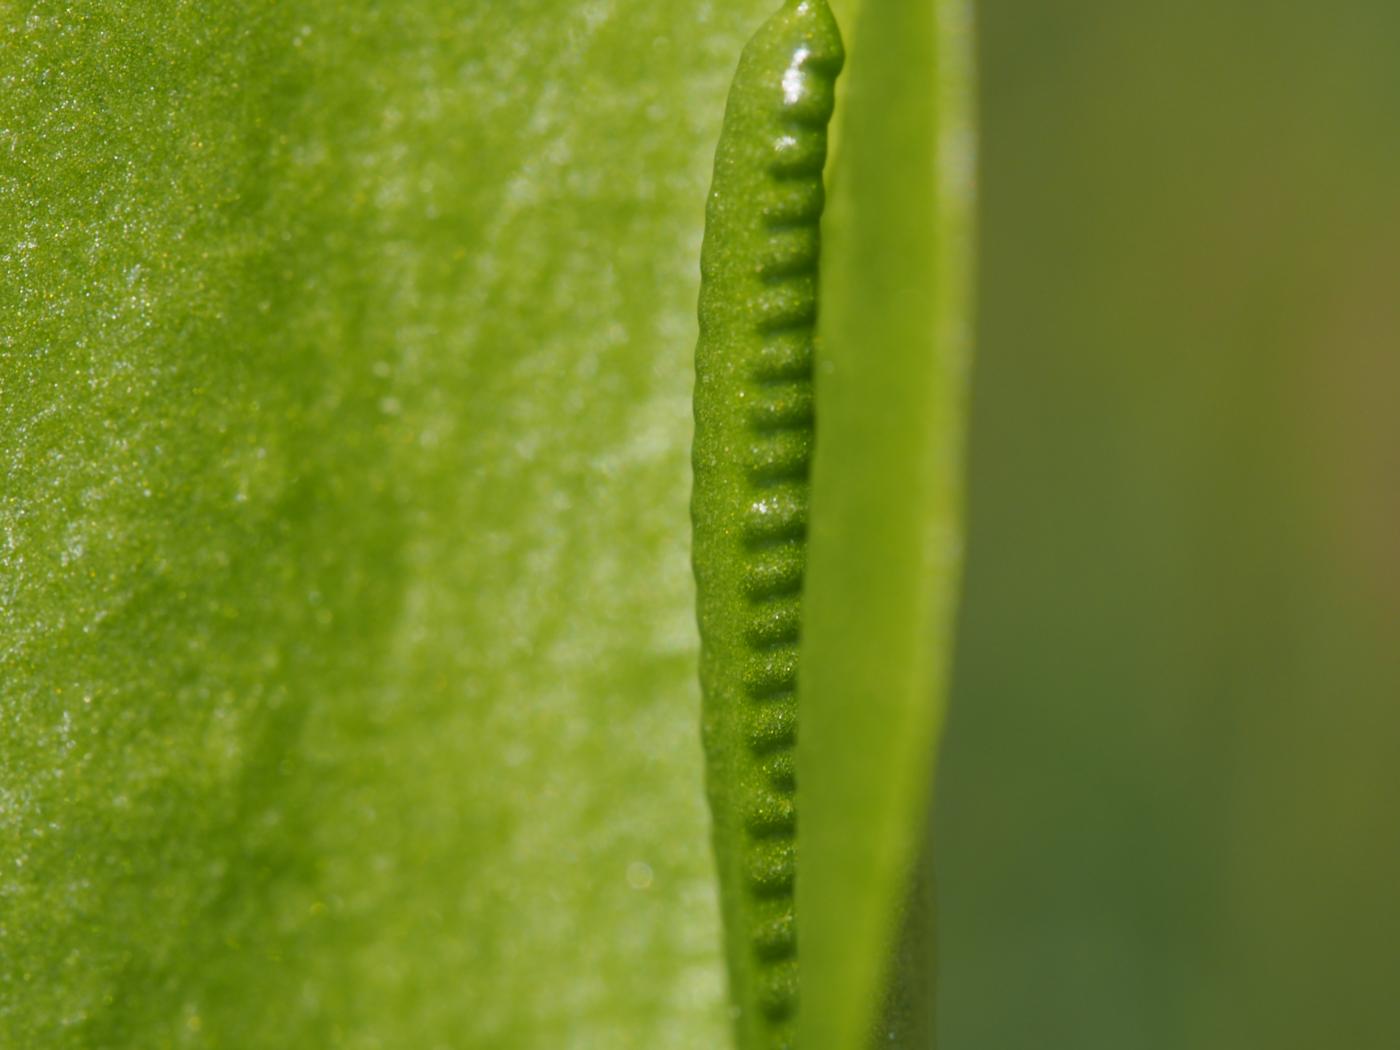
886 540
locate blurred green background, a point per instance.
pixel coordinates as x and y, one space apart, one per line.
1168 804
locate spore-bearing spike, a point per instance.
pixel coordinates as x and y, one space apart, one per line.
754 436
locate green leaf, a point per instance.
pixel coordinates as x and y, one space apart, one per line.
347 653
886 530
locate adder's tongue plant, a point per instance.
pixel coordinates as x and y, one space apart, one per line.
347 634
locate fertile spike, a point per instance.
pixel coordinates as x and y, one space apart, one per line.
753 441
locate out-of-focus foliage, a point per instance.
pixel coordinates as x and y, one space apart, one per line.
1172 775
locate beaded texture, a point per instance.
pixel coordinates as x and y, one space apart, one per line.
754 430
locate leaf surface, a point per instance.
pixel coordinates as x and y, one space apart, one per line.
347 652
886 534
